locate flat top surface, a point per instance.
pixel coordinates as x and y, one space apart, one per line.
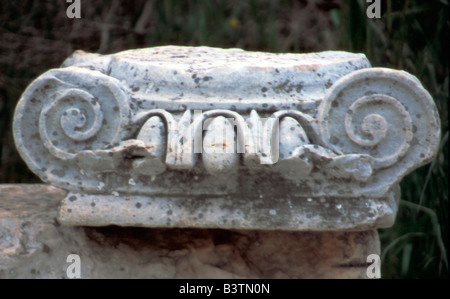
206 57
181 73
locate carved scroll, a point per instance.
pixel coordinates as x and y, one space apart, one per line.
385 114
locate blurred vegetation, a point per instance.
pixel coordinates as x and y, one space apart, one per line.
36 35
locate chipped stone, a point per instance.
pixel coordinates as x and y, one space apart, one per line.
308 139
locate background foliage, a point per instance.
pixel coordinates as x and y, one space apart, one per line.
36 35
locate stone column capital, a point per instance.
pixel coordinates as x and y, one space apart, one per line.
208 137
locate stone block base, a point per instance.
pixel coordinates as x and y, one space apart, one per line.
33 244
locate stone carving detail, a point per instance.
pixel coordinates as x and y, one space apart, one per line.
376 119
72 117
349 133
385 120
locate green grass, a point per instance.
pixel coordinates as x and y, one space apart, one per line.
412 35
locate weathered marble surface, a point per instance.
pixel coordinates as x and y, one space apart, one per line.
208 137
268 212
34 245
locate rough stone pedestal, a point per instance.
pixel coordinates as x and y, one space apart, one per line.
34 245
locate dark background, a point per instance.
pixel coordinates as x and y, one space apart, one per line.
37 35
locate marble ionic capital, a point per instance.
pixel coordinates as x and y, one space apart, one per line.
206 137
